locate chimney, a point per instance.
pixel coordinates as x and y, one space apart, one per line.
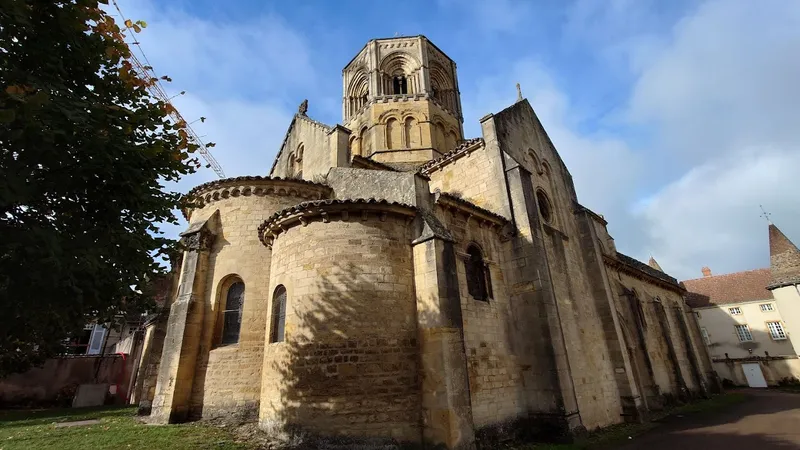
706 271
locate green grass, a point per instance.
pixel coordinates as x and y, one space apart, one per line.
615 435
118 429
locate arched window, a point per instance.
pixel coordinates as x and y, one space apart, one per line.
394 134
545 208
232 314
479 280
399 85
365 146
412 133
278 315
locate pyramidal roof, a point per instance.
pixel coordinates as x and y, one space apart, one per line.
784 259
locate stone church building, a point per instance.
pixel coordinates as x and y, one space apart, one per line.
392 278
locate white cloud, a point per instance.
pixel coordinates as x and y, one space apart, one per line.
710 216
605 170
728 78
718 90
723 99
242 77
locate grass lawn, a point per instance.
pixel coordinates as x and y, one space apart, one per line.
118 429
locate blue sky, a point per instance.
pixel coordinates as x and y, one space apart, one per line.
676 119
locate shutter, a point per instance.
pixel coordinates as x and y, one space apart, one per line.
96 341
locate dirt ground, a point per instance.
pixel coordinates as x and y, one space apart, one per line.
767 420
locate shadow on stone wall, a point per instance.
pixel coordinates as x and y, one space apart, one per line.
347 369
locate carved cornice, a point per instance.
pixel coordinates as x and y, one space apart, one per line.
200 235
327 210
259 186
463 149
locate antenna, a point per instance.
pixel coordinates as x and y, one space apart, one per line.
146 71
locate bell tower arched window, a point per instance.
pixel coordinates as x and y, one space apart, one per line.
479 280
399 85
232 315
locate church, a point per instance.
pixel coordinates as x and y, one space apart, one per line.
393 278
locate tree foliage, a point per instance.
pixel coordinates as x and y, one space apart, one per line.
84 150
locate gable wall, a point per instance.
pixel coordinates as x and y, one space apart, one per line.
519 135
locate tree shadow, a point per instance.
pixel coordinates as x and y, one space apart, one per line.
350 360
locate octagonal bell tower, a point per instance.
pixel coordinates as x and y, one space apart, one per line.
401 102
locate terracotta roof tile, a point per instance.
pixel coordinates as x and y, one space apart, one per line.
730 288
463 147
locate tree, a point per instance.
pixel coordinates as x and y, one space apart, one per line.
84 151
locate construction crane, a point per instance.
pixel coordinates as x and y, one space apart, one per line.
146 72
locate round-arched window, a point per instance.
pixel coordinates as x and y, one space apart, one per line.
545 207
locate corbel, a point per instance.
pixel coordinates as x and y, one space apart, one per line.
325 218
345 215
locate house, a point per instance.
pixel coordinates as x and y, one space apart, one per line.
750 321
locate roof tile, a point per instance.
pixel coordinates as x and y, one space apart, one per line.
727 289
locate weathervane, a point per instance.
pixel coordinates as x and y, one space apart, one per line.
765 214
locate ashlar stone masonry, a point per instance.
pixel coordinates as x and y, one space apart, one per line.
390 278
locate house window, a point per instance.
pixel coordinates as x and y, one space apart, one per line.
232 315
706 338
735 311
278 315
766 307
545 208
743 333
478 276
776 330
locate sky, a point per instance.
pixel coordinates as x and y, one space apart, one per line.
677 119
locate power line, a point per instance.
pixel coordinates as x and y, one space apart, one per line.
155 88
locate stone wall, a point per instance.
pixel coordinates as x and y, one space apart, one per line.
227 378
661 331
349 361
477 176
523 141
773 369
55 382
318 150
398 187
497 389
